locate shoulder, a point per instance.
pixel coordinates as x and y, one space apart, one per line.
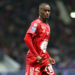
36 22
48 25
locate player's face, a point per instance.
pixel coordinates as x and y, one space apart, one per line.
45 11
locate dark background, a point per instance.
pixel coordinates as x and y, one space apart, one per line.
16 17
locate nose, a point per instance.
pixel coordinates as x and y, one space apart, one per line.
47 12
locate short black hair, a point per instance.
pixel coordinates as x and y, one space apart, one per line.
42 4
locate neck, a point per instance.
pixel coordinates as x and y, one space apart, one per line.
43 20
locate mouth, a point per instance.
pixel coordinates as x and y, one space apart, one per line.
47 16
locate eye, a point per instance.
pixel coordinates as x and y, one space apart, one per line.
44 10
49 10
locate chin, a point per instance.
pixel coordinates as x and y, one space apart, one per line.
46 18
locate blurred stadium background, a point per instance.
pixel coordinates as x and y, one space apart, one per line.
15 18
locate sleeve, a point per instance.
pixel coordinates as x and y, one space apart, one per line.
33 27
28 41
48 55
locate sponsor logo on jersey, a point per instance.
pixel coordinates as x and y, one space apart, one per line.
43 46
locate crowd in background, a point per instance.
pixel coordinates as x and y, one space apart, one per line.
15 19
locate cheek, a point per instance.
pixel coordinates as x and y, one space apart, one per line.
42 14
49 13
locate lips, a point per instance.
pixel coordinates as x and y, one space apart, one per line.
47 16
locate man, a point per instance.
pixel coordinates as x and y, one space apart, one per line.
38 61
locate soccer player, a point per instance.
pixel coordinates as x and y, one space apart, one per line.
38 61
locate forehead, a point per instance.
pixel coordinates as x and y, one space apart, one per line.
44 6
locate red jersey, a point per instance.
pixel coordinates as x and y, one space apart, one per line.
40 34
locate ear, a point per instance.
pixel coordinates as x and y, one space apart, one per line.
39 12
